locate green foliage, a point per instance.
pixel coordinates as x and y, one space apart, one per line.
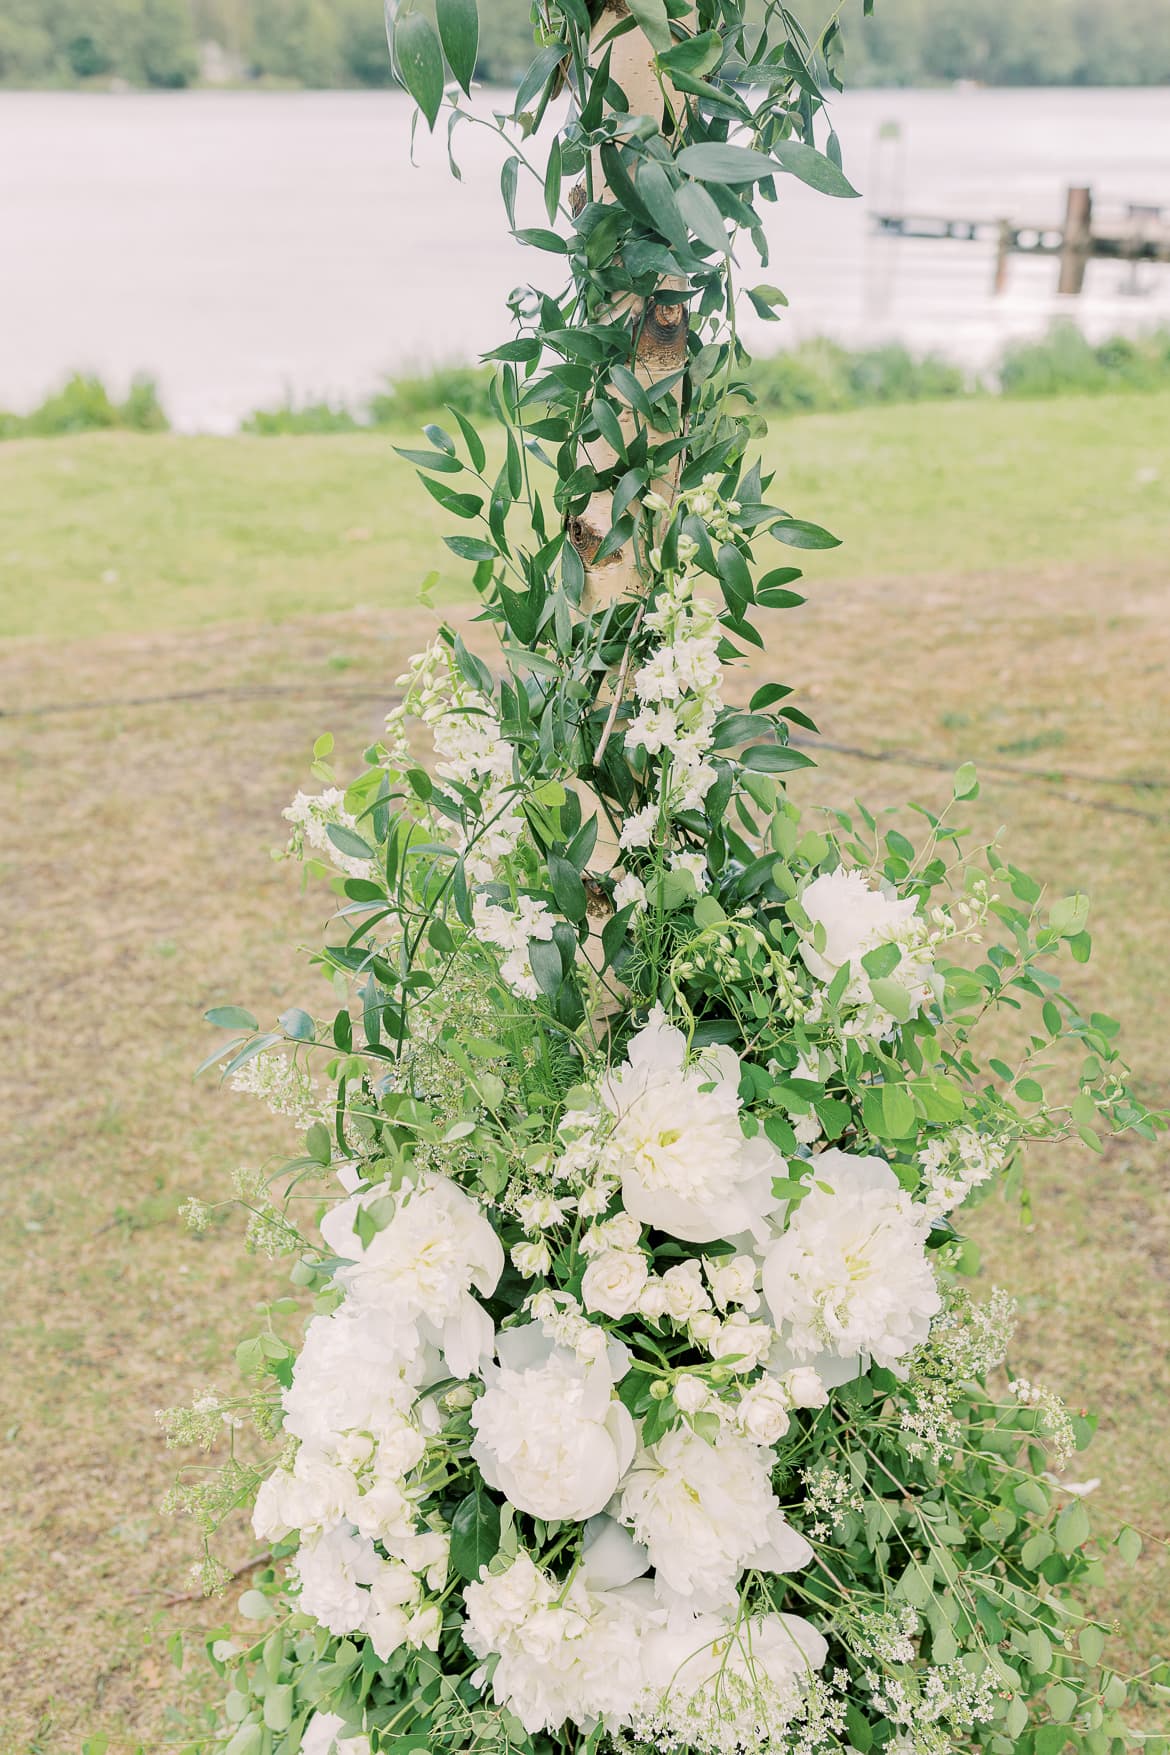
82 405
1064 362
821 376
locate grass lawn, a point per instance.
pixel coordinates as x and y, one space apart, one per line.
116 533
1002 595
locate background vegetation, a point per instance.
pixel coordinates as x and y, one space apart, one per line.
342 42
817 377
182 617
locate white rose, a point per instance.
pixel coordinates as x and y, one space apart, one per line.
629 889
654 1300
686 1166
805 1389
685 1293
743 1342
762 1411
733 1281
549 1432
613 1282
691 1394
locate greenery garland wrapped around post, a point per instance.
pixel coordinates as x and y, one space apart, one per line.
643 1403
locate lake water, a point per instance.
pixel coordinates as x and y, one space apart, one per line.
244 246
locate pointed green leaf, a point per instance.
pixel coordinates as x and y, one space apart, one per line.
420 63
813 168
459 33
231 1017
714 162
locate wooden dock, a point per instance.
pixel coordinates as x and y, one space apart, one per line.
1140 233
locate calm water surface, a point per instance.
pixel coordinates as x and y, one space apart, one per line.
242 246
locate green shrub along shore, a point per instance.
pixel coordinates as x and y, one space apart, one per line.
818 377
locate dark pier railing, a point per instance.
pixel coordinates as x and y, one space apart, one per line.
1139 234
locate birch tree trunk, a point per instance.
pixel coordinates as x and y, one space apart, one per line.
658 326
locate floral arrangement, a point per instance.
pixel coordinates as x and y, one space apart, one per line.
644 1403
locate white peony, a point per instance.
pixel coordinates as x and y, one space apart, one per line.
850 1276
614 1281
849 918
743 1677
685 1165
549 1432
420 1268
354 1374
704 1512
564 1653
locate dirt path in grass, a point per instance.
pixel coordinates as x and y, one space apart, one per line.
138 890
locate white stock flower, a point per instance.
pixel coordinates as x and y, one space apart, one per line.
640 827
695 866
420 1268
549 1432
313 814
850 1275
850 918
704 1512
627 889
614 1281
685 1165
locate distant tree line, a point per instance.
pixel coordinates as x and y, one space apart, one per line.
173 43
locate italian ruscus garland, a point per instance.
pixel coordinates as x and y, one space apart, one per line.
645 1401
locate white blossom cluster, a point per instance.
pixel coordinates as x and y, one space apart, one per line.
512 932
678 689
311 815
284 1086
470 750
650 1631
954 1163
